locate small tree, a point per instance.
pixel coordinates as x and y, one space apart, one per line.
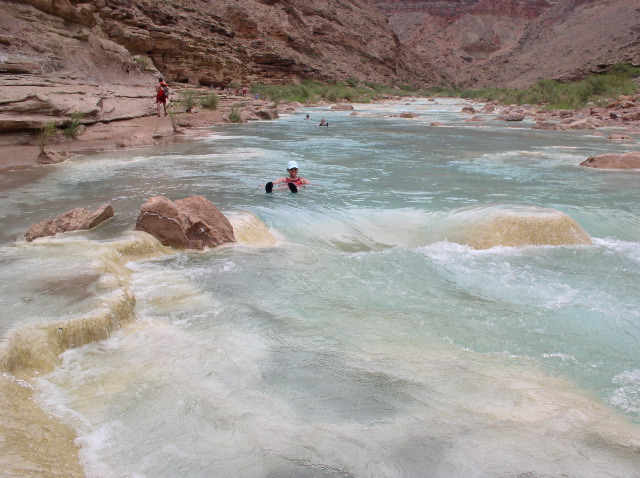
45 135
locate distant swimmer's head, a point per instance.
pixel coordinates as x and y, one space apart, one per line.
292 165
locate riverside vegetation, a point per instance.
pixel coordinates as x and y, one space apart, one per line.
623 79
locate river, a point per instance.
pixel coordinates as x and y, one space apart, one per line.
355 329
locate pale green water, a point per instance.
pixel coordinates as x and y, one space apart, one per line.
364 343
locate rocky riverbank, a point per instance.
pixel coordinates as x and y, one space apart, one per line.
137 124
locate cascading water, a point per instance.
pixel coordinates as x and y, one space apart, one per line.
445 301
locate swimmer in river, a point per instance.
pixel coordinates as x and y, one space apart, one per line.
292 181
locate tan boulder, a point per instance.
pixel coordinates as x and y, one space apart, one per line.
484 227
342 107
408 114
614 161
584 123
75 220
547 126
53 157
193 222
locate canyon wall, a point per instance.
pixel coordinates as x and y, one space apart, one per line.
514 43
101 58
207 42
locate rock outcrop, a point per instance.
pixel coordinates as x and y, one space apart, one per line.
74 220
193 222
614 161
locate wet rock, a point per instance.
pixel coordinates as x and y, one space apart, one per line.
512 117
268 114
546 126
614 161
53 157
342 107
75 220
193 222
584 123
408 114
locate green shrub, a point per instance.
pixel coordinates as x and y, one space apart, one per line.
234 116
311 91
351 82
187 100
558 95
71 131
209 101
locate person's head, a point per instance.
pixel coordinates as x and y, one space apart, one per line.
159 80
292 167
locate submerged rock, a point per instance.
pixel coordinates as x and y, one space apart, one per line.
193 222
514 226
614 161
75 220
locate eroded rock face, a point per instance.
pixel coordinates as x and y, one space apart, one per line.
74 220
101 58
614 161
193 222
498 42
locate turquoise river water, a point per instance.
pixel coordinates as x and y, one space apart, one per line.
355 329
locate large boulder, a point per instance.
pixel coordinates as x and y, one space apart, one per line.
75 220
614 161
511 225
193 222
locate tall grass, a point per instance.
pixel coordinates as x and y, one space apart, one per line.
548 93
558 95
311 91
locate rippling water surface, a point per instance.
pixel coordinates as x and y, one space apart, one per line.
352 331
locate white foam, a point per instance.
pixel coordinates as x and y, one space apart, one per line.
626 395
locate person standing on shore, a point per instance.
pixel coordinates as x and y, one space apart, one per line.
162 95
